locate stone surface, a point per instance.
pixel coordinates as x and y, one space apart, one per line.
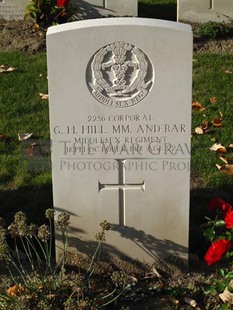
120 115
102 8
202 11
13 9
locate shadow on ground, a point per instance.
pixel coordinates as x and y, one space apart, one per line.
161 11
34 202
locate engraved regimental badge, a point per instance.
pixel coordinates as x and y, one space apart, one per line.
119 75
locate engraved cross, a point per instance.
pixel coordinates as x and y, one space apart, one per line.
122 186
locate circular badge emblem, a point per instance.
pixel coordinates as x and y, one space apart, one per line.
119 75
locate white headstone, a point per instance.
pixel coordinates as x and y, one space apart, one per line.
120 113
205 10
13 9
102 8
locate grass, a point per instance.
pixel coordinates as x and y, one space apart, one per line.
22 110
158 9
210 80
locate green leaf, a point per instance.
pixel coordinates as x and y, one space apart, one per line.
229 275
209 223
224 307
220 286
210 290
30 7
222 272
229 235
209 233
220 223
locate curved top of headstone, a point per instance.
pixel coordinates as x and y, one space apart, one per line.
121 21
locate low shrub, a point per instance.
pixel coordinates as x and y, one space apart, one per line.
213 30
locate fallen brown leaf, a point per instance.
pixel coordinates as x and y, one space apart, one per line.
51 296
133 279
191 302
175 301
217 122
205 125
4 68
155 271
227 296
223 159
36 26
33 150
197 106
24 136
203 128
228 72
217 147
44 96
213 99
15 290
226 169
199 130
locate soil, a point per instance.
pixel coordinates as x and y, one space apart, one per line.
175 289
161 286
23 37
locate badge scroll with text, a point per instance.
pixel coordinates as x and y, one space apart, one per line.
121 75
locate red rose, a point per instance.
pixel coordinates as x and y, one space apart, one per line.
217 250
229 219
219 203
62 3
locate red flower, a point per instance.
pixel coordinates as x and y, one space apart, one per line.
217 250
229 219
219 203
62 3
